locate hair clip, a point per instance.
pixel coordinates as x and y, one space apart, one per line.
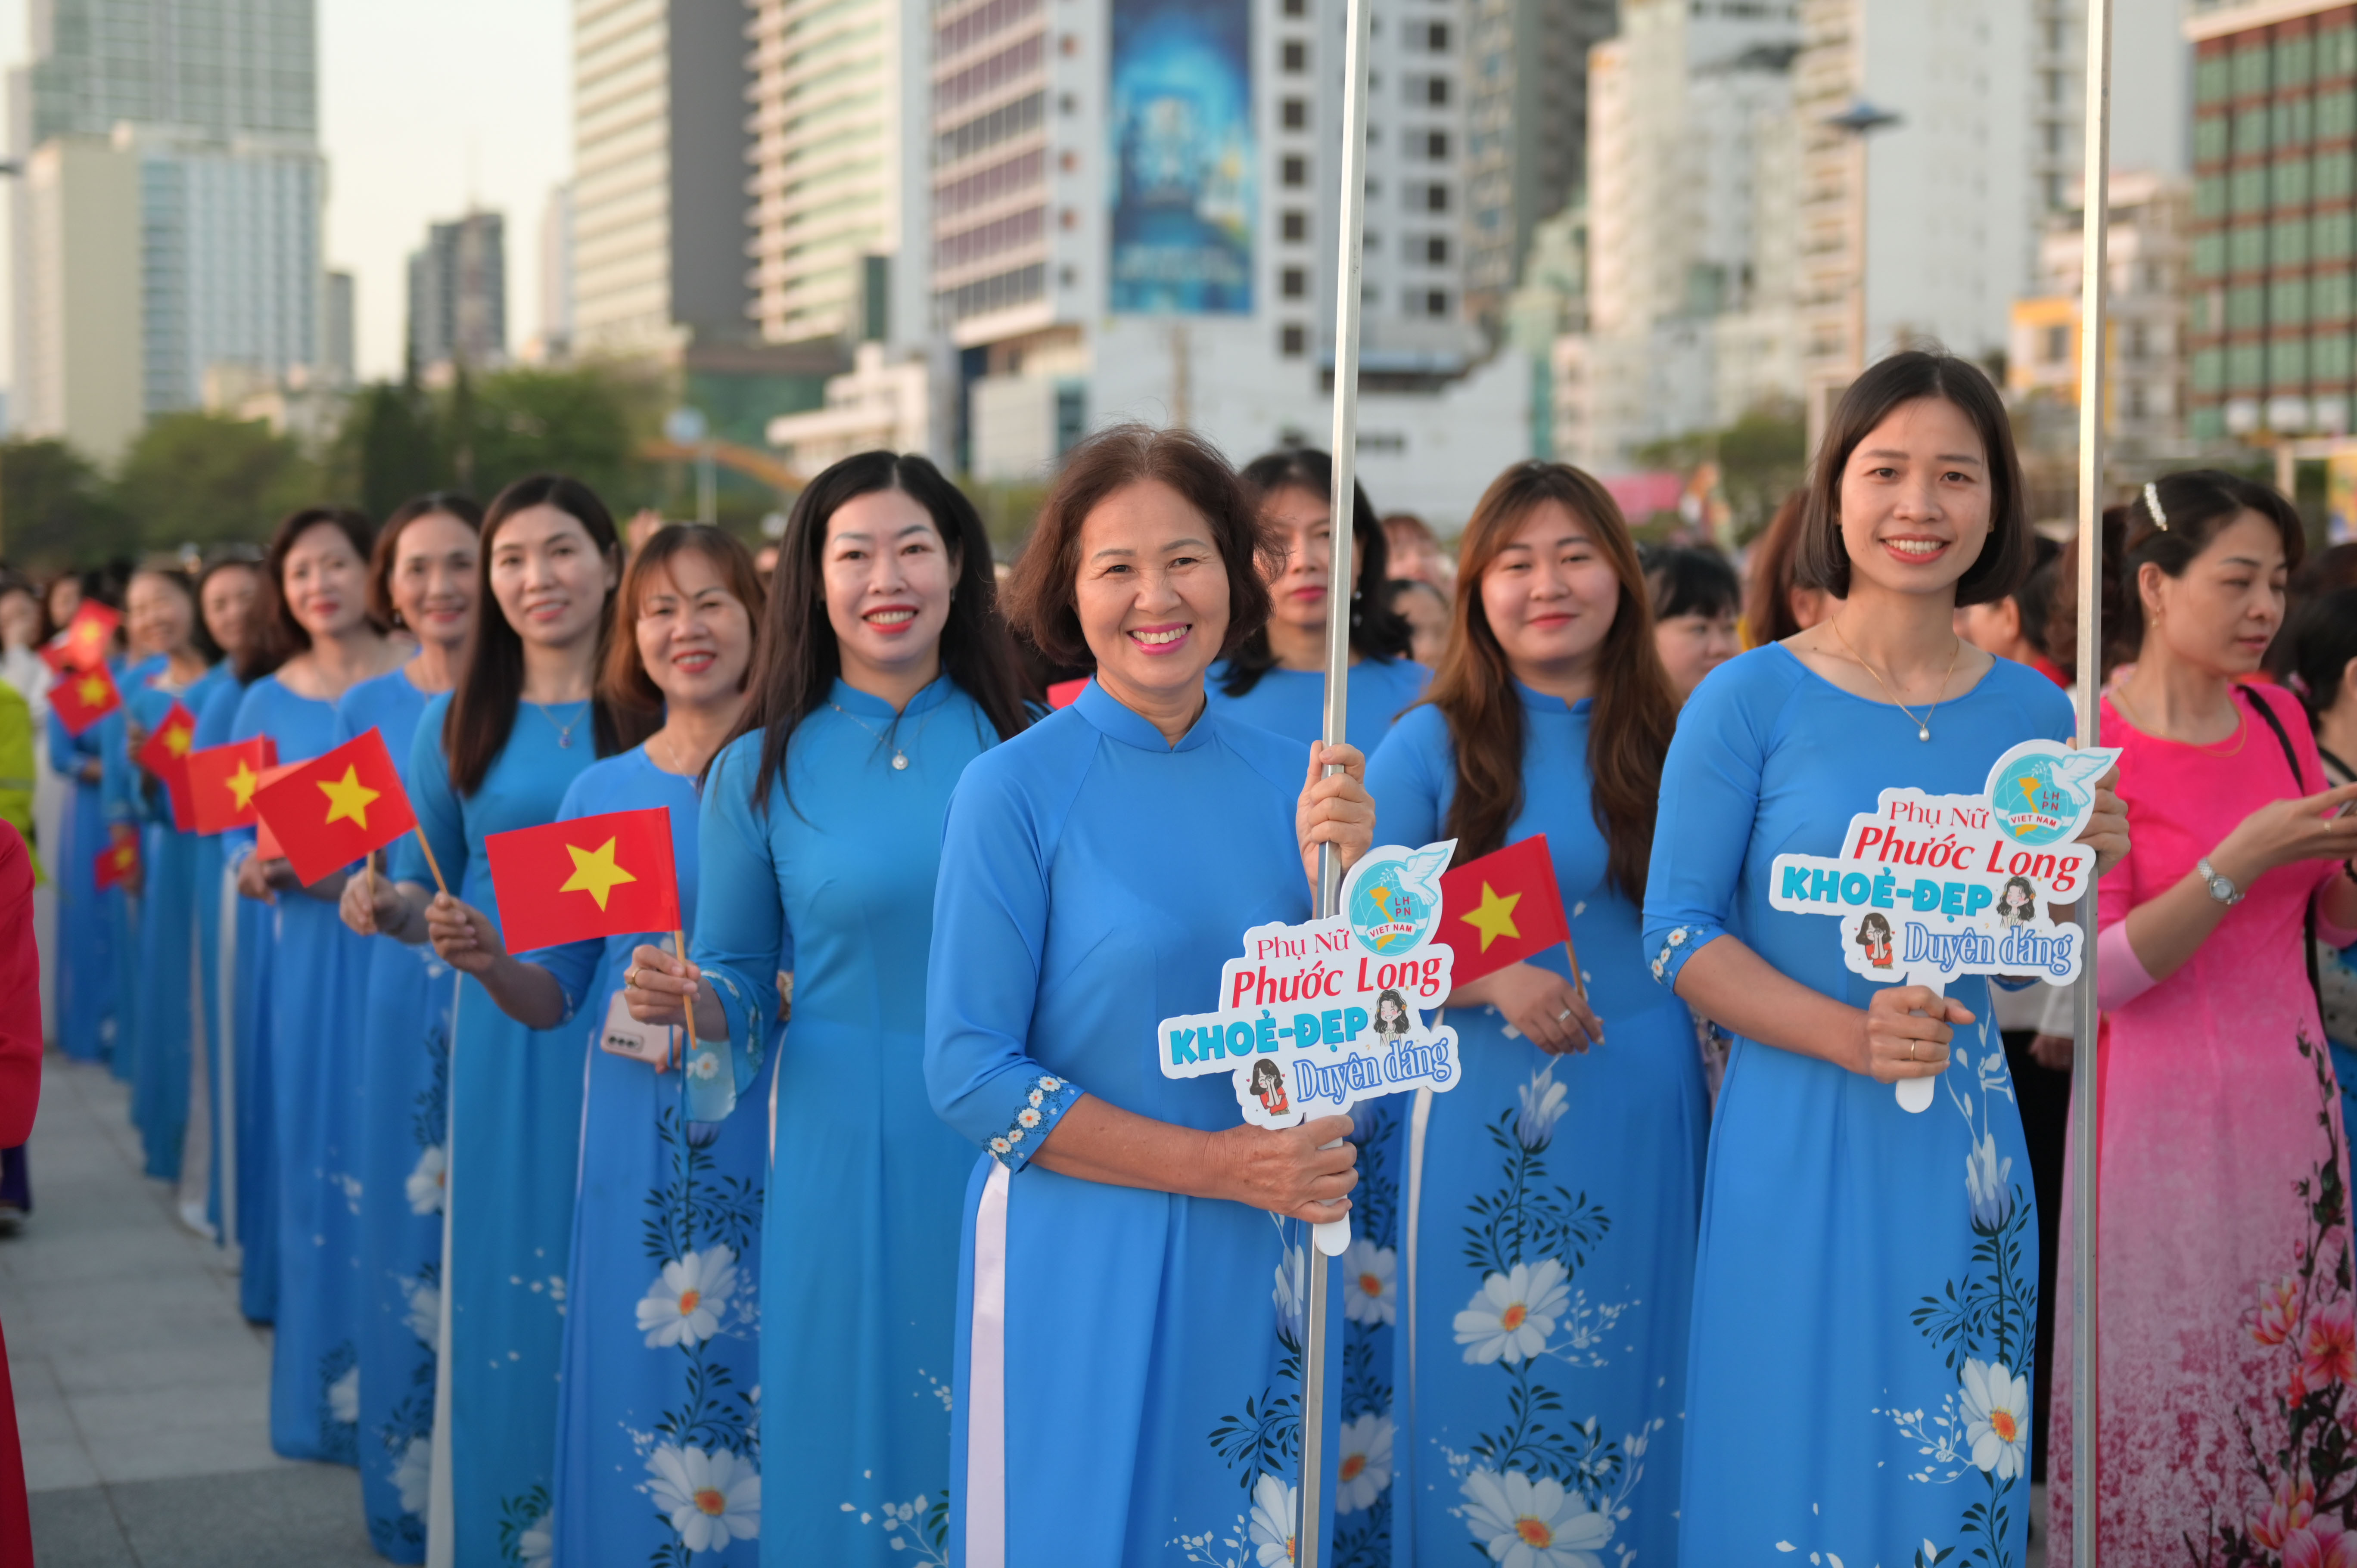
2152 505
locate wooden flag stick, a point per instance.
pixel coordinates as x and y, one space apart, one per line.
688 1000
432 864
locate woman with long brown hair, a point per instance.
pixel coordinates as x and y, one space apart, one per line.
1548 718
523 722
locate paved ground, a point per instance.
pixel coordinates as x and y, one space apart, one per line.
141 1393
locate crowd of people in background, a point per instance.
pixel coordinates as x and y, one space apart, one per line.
852 1223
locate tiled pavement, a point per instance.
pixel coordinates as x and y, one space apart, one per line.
142 1395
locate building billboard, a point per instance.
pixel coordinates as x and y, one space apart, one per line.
1183 160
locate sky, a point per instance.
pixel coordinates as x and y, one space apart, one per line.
425 106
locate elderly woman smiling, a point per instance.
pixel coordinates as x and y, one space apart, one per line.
1128 1361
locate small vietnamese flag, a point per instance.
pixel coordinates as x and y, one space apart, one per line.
1064 694
222 779
591 876
165 755
119 861
83 698
87 635
266 842
330 811
1502 909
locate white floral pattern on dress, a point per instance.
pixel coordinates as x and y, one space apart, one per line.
1369 1282
413 1474
1046 1100
685 1304
1527 1523
1271 1526
427 1179
711 1499
1512 1315
1364 1469
344 1397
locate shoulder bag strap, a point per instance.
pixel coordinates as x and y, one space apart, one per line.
2298 789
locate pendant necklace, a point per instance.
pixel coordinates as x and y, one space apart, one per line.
899 757
564 732
1923 722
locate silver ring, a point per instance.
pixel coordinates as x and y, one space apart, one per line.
1562 1015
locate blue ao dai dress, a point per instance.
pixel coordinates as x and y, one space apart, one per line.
166 991
860 1244
662 1310
315 971
1292 702
1548 1275
1866 1287
244 1205
124 809
405 1089
92 922
514 1138
1129 1376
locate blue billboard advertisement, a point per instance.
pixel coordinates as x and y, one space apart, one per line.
1183 160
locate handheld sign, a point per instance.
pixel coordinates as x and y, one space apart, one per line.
1317 1017
1927 887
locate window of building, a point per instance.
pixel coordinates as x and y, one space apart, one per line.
2209 196
2210 138
2250 69
1436 249
1296 113
2209 370
2332 181
2289 245
1436 198
2292 122
2139 341
2287 365
1293 282
2327 358
2294 59
1295 56
1296 7
2329 239
1435 145
2249 190
2246 366
2328 296
2246 247
1435 302
2336 53
2251 132
2336 115
1436 90
1294 170
1435 37
1292 340
1370 242
2208 255
2134 397
1295 224
2246 308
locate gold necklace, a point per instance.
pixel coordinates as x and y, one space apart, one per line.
1923 722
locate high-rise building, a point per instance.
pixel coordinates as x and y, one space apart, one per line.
342 361
218 65
661 225
2274 235
553 343
1690 180
458 297
1526 128
1133 218
169 222
841 187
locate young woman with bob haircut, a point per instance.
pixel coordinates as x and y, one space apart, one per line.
1831 1215
1097 870
1549 717
883 670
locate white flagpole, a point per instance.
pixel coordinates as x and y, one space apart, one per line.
1341 578
2085 1341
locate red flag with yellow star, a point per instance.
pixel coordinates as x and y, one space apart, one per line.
164 754
330 811
118 863
591 876
83 698
1502 909
222 779
88 635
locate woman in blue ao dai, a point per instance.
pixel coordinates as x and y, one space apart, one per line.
885 670
1866 1281
1549 1268
422 578
655 1419
499 753
161 613
315 642
92 922
1277 680
1134 1268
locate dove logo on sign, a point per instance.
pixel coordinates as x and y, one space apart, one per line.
2040 791
1395 897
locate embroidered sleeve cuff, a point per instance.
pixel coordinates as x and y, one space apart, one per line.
1674 947
1035 1115
746 1033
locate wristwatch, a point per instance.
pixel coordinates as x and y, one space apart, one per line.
2222 887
